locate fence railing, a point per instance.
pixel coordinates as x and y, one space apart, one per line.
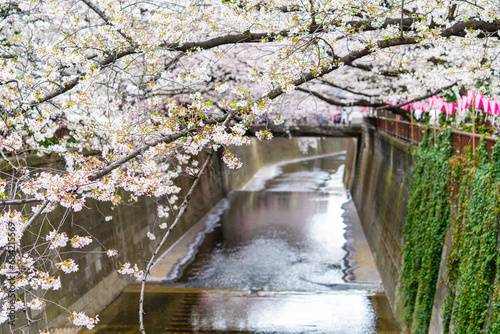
415 133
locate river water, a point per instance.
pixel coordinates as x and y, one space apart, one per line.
279 256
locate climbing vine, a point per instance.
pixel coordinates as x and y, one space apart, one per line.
428 216
472 263
464 191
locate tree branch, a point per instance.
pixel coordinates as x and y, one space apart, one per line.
19 201
360 103
181 212
106 19
331 84
348 59
388 106
458 29
369 68
167 139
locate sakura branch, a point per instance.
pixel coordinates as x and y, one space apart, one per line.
104 98
182 210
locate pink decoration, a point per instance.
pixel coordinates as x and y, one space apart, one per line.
487 105
470 96
479 101
465 103
449 108
417 105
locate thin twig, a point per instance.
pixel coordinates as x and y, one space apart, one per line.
420 98
29 222
181 212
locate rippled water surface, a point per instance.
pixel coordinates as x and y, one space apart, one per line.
275 261
288 236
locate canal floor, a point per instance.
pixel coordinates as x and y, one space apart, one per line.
284 255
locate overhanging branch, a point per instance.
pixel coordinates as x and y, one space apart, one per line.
388 106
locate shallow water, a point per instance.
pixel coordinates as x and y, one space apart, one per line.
274 260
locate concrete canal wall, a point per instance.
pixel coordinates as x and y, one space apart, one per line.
378 182
97 282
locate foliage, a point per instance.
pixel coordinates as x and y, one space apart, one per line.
473 258
464 190
427 220
128 94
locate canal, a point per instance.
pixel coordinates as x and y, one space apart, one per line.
286 254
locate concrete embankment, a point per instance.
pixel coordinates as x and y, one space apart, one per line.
97 283
378 182
379 178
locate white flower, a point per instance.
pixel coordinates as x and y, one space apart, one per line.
264 135
79 242
111 252
151 236
126 270
36 304
68 266
221 88
163 226
80 319
108 218
163 211
231 160
57 239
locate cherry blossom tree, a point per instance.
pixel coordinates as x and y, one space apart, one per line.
127 94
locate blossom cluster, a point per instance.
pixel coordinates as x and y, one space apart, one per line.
124 99
79 242
68 266
126 269
81 319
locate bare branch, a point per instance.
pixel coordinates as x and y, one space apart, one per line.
358 103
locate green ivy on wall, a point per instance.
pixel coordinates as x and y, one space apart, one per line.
427 220
463 191
473 258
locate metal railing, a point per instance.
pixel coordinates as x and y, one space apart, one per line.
415 133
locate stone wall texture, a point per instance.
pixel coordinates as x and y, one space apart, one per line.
379 188
97 282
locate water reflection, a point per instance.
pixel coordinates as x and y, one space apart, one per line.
287 237
273 261
290 313
170 310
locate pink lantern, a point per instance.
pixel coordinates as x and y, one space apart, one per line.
417 105
436 102
496 107
470 96
449 108
487 105
479 101
465 103
430 102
